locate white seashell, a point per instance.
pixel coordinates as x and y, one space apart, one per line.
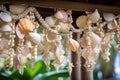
35 37
50 21
5 28
62 15
96 40
19 34
74 45
81 21
5 17
95 16
17 9
111 25
108 16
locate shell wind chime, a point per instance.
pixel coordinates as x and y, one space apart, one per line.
20 42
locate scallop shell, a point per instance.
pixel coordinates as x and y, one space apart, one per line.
63 27
50 21
111 25
17 9
62 15
95 16
74 45
5 17
5 28
35 37
108 16
96 40
19 34
81 21
25 25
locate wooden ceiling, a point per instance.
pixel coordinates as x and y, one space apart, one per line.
112 6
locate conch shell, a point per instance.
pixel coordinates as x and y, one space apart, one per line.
94 17
17 9
74 45
81 21
25 25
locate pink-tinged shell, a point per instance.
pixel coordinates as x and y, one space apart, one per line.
62 15
19 33
25 25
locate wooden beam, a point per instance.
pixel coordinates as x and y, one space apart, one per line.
75 6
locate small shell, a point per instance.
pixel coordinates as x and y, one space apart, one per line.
82 21
62 15
25 25
5 17
63 27
19 34
5 28
111 25
35 37
96 40
108 16
74 45
17 9
50 21
95 16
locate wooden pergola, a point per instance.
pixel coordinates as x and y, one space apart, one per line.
78 6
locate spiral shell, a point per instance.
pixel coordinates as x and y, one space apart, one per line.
25 25
95 16
74 45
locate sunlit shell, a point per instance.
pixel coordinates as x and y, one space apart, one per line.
108 16
50 35
50 21
95 16
25 25
111 25
96 40
62 15
17 9
74 45
5 28
35 37
19 34
81 21
5 17
63 27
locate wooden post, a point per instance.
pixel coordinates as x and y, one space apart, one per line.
86 75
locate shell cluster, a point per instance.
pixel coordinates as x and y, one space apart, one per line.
20 41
